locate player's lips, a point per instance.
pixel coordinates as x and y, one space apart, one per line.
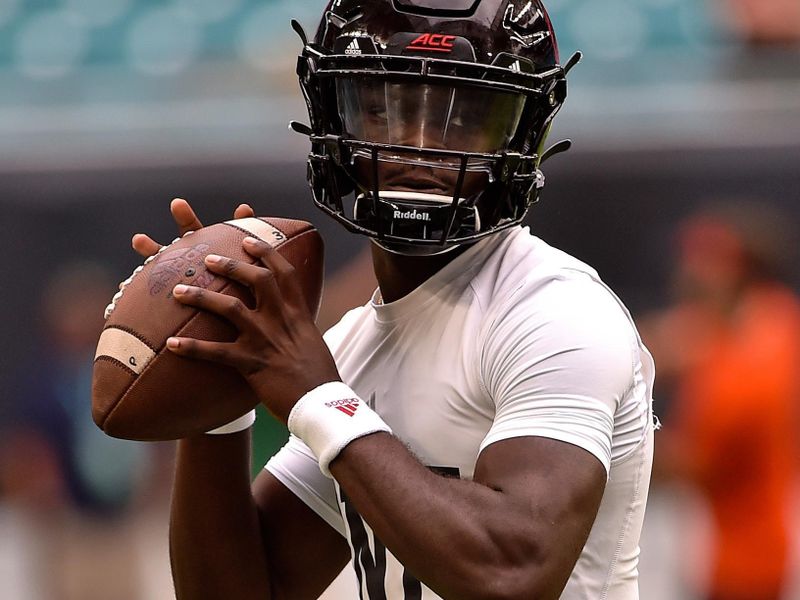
427 185
421 190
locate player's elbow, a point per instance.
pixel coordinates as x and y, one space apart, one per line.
529 575
518 583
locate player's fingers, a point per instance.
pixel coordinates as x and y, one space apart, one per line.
243 211
282 268
257 277
184 215
145 245
218 352
243 272
229 308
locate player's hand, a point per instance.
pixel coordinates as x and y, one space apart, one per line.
186 220
279 349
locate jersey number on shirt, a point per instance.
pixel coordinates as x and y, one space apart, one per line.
372 565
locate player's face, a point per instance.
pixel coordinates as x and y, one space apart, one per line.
431 116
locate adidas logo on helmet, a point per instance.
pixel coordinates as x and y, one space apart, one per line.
353 48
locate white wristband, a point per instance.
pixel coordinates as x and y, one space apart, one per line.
240 424
331 416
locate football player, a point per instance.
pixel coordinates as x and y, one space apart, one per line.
483 427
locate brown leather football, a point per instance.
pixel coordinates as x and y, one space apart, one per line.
141 390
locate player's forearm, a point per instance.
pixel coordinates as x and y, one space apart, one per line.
462 539
215 541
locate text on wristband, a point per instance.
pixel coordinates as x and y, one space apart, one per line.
348 406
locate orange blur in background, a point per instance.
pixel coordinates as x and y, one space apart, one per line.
731 346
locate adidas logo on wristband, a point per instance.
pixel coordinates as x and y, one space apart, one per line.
326 434
348 406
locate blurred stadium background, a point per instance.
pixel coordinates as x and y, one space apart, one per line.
110 108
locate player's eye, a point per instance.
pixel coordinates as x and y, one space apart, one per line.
377 112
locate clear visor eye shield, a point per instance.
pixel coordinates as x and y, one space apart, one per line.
422 140
429 147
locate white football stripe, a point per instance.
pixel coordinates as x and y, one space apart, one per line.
126 348
260 229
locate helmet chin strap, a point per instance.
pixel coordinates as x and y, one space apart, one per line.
416 216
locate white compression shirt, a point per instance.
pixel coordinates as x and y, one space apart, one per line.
512 338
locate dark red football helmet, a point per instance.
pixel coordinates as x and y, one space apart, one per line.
428 117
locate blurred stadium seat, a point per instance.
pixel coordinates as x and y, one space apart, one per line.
52 39
197 80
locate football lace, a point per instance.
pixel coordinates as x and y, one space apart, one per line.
124 284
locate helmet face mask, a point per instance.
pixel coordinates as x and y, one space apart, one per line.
426 130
